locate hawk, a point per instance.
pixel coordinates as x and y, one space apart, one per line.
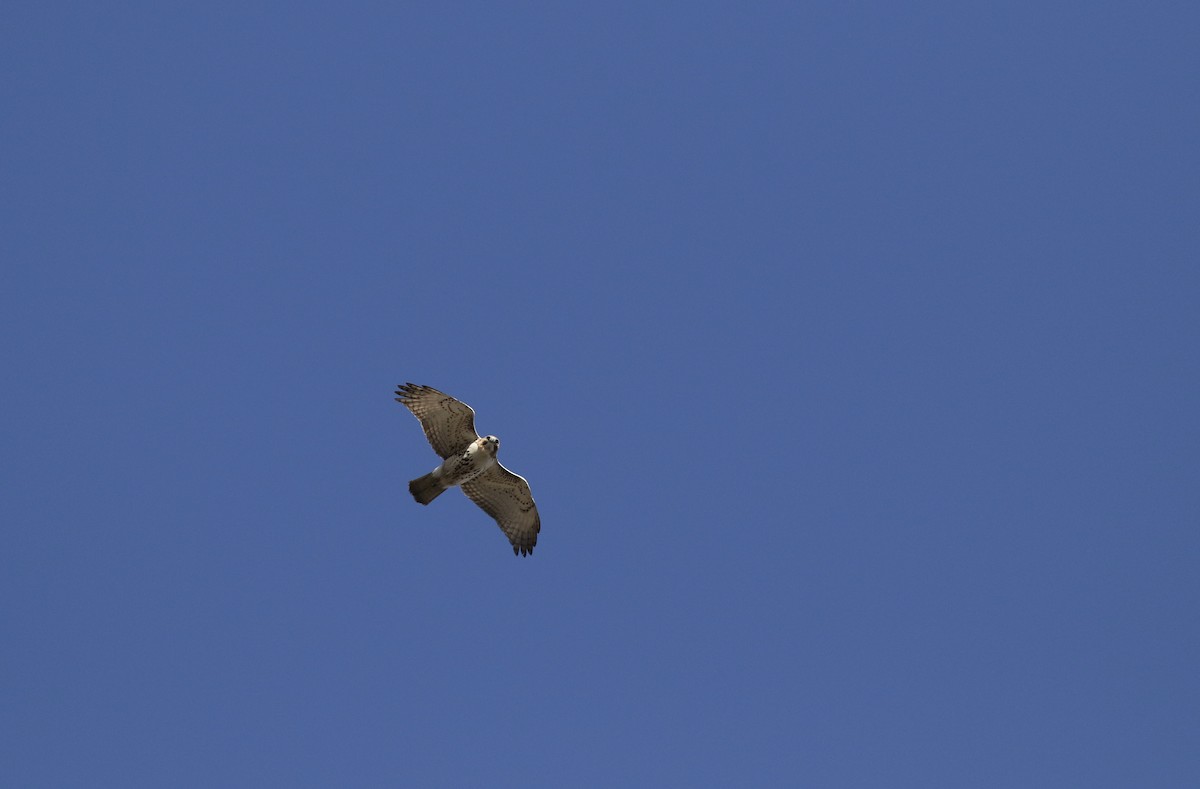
470 463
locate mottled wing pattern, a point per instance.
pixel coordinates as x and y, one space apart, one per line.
506 497
449 424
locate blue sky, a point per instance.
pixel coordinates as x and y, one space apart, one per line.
851 351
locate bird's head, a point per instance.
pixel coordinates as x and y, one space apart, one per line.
491 444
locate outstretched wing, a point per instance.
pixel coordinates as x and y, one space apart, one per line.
449 424
506 497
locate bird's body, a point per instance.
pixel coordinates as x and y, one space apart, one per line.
469 461
478 457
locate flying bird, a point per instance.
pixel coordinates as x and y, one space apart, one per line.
469 462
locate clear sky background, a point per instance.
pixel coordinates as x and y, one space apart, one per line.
852 351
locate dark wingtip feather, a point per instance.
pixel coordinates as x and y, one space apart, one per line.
410 390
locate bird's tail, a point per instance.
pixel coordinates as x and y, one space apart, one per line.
425 489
